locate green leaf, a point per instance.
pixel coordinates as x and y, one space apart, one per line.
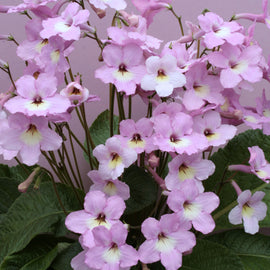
266 221
211 256
235 152
4 170
62 261
39 254
8 193
100 128
143 189
253 250
34 213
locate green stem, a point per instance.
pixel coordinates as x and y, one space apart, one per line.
22 166
198 48
10 77
70 71
52 164
87 136
112 98
56 191
66 173
129 106
70 165
75 138
120 107
178 18
76 162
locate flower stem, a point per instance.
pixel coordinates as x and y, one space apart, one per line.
112 98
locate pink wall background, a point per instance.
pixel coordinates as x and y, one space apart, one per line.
84 57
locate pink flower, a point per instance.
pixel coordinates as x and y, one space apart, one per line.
67 25
111 250
250 209
166 240
163 75
115 4
176 134
29 4
124 67
109 187
191 205
150 8
184 168
113 158
237 64
29 136
77 94
259 165
217 32
98 211
7 154
201 88
210 126
262 18
37 96
137 136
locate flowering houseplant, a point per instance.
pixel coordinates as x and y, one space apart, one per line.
169 189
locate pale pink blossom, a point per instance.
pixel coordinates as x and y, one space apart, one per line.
137 136
166 240
37 96
258 164
109 187
210 126
99 210
217 32
111 250
250 210
191 205
183 168
202 88
29 136
176 134
29 4
237 65
150 8
124 67
113 158
67 26
163 75
103 4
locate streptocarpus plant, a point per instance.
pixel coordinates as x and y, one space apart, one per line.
166 189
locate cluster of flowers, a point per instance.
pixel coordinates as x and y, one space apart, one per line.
201 89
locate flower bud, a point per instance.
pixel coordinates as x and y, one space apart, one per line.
25 185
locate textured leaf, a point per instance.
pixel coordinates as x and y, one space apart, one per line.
143 189
39 254
8 193
235 152
253 250
211 256
100 128
62 261
266 221
207 255
34 213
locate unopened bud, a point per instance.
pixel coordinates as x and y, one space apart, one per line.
37 183
3 64
25 185
100 12
153 160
